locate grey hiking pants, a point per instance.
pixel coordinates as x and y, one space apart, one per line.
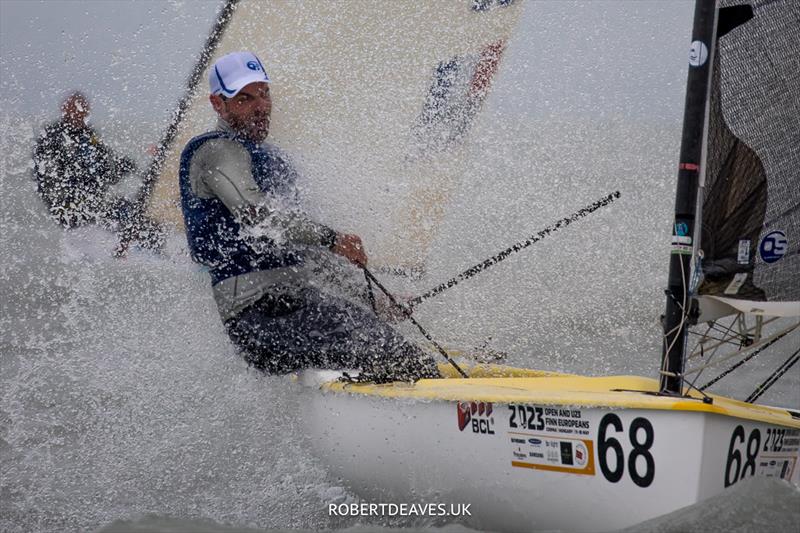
316 330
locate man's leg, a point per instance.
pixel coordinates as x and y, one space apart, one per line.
264 335
354 334
326 332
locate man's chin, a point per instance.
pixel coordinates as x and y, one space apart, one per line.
259 135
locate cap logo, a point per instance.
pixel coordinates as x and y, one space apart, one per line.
235 70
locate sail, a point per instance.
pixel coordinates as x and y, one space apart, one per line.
750 226
375 98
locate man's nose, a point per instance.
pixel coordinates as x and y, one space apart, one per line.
264 103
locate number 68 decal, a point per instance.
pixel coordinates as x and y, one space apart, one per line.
734 469
641 448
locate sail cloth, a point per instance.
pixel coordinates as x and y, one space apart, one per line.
375 97
750 227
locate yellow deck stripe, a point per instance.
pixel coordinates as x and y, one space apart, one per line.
549 388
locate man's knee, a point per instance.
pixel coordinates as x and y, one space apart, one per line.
252 348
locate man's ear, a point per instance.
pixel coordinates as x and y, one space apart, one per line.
217 103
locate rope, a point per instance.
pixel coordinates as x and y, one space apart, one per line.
407 312
774 377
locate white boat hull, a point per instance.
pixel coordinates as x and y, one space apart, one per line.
525 466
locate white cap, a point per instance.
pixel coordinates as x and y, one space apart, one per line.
231 72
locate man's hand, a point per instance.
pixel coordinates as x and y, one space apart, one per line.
350 247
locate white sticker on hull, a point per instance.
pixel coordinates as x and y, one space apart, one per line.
560 420
780 466
772 452
556 454
550 438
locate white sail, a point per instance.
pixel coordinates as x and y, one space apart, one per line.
751 200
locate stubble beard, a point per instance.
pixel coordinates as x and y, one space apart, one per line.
254 128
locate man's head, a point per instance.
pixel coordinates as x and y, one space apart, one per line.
75 109
240 94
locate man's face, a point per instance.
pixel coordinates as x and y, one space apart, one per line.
248 112
75 110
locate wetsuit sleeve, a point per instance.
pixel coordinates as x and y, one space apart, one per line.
115 166
44 156
221 168
48 166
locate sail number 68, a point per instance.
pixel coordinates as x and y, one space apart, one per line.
734 469
641 448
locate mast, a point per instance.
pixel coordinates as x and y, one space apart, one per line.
698 87
151 176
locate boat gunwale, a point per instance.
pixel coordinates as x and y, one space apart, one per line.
551 388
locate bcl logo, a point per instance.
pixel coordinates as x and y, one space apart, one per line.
477 414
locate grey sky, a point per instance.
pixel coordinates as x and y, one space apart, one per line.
603 58
131 58
599 58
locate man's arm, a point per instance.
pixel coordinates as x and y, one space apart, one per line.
221 168
115 166
48 166
44 154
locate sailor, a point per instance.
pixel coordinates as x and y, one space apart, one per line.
74 170
243 222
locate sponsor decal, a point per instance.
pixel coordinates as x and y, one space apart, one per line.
773 246
698 53
743 258
681 249
566 453
781 440
781 468
548 438
736 283
565 421
581 454
549 419
552 453
681 240
526 417
459 87
478 415
749 455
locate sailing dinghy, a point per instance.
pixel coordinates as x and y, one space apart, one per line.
532 450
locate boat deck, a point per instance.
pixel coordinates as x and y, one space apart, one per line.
501 384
